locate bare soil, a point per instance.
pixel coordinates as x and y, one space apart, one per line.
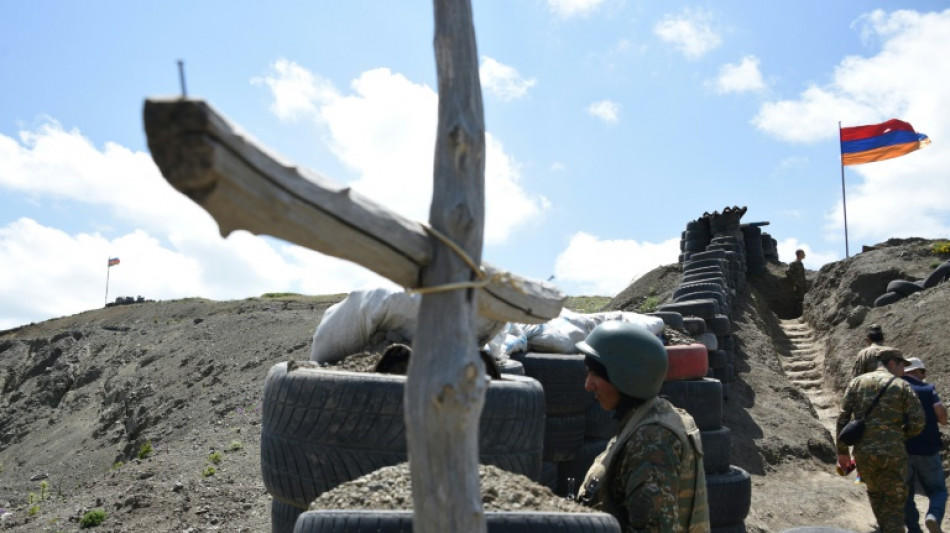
80 397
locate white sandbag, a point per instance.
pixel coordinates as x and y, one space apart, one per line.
349 326
554 336
510 340
652 324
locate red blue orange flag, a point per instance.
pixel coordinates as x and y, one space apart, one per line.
113 261
877 142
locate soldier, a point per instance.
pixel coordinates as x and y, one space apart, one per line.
650 476
796 276
881 455
867 357
923 454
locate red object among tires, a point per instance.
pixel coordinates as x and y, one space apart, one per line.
687 361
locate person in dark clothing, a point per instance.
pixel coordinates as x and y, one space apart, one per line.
923 453
796 277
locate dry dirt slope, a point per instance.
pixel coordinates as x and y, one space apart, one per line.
82 393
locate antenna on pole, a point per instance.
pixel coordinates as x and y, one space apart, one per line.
181 78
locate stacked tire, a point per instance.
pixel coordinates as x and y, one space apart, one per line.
728 487
576 429
899 289
321 428
755 254
769 247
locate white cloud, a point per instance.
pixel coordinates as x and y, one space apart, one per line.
901 197
813 260
296 90
690 31
566 9
740 78
606 267
385 132
503 81
606 110
168 246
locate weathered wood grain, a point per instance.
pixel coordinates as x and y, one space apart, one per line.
244 186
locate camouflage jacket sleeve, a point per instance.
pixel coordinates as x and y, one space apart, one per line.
647 480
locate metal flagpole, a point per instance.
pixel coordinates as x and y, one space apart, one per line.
844 203
108 268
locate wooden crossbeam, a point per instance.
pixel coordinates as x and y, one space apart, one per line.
244 186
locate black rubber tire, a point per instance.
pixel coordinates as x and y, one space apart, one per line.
689 288
562 377
498 522
700 295
698 225
941 273
322 427
578 466
510 366
904 287
283 516
887 298
726 342
709 254
708 277
697 245
719 358
729 496
719 325
673 320
695 235
599 424
726 374
703 308
694 325
701 398
700 263
817 529
563 436
717 450
713 269
549 475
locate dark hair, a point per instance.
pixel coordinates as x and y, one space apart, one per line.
596 367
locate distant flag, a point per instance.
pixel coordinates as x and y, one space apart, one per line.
878 142
113 261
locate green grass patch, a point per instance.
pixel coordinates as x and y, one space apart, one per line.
92 518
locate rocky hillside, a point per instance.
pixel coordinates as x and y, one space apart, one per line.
151 411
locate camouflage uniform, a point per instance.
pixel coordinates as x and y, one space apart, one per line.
651 476
866 360
881 453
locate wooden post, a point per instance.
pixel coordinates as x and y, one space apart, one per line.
446 383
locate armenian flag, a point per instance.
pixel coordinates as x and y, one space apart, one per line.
878 142
113 261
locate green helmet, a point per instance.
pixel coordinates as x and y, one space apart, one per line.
635 359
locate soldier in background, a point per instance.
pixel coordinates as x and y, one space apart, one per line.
867 357
796 276
881 454
650 477
923 454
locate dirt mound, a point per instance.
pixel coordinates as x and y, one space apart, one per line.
83 396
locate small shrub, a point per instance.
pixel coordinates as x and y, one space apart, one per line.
44 490
208 472
215 457
118 465
234 446
31 498
92 518
941 248
145 450
649 304
33 510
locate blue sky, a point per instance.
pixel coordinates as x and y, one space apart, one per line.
610 125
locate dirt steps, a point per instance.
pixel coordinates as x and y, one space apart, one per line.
803 363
